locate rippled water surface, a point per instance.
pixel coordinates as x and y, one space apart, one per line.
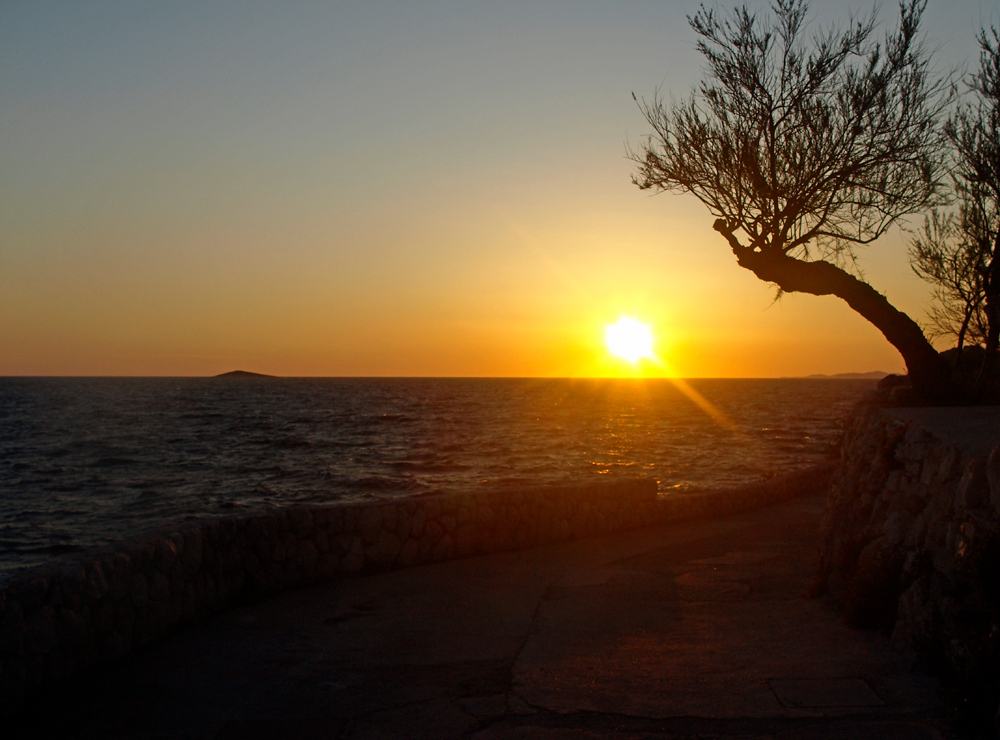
88 461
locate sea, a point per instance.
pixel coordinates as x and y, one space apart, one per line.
87 462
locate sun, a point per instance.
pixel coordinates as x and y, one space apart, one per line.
630 339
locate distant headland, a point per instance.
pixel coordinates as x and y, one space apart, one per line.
244 374
873 375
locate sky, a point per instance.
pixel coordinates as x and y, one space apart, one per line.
421 188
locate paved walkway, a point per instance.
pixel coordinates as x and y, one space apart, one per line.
688 631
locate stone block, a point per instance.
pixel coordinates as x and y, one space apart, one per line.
973 488
341 544
178 539
97 581
119 570
138 590
57 666
320 517
12 683
279 551
192 551
466 539
929 471
335 519
370 523
177 581
917 535
159 589
328 565
410 552
425 548
70 627
404 521
350 513
292 545
897 526
953 532
465 512
546 529
444 548
872 589
308 553
34 671
562 530
148 626
103 616
914 618
143 553
948 467
301 520
354 558
33 593
486 516
432 507
993 477
385 549
280 521
72 585
12 628
418 522
321 540
390 516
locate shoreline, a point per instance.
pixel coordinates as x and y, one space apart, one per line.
105 461
56 623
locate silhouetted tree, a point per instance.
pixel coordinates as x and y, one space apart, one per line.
943 255
959 252
804 154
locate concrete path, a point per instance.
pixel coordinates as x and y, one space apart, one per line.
688 631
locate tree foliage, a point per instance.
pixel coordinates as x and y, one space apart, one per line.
942 254
804 151
958 252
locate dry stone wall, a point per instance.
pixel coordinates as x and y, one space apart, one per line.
911 537
58 621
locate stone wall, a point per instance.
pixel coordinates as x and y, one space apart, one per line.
911 537
58 621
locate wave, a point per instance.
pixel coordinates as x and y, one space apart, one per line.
115 462
418 466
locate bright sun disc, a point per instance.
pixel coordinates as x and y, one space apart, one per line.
629 339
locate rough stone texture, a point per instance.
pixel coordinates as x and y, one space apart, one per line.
56 622
911 537
670 632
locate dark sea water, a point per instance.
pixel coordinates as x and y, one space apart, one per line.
90 461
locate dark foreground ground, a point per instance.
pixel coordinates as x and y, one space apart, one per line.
688 631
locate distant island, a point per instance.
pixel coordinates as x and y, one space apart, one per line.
243 374
873 375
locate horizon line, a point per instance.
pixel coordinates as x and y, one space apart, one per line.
860 375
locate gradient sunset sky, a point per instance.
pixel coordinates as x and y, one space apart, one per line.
381 188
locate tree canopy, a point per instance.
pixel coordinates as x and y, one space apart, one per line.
958 251
805 148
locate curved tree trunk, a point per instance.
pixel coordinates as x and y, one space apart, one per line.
928 372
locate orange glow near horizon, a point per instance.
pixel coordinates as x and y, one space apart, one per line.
179 202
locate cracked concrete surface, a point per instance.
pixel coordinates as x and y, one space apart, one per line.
684 631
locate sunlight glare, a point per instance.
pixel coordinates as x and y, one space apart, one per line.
630 339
